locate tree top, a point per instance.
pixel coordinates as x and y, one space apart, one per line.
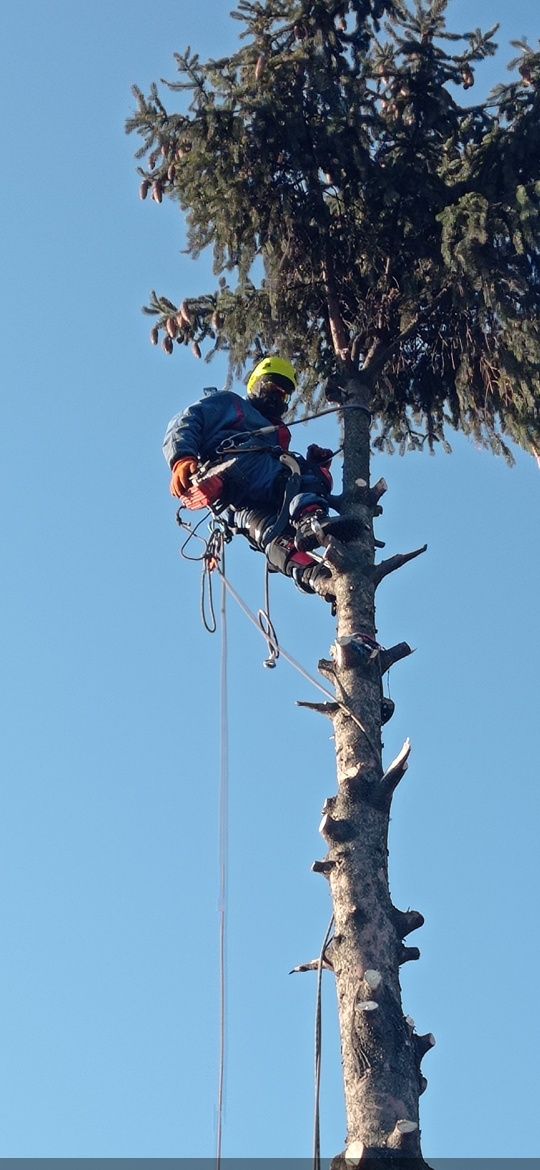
362 216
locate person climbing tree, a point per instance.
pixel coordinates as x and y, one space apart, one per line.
383 231
280 504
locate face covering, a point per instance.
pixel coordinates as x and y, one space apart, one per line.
272 403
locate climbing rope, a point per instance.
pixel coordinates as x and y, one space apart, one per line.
223 871
213 558
318 1052
192 534
229 446
266 624
295 664
275 650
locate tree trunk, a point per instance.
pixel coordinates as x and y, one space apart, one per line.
381 1055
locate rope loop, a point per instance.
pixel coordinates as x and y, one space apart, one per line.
268 630
266 624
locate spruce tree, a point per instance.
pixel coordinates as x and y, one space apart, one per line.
371 223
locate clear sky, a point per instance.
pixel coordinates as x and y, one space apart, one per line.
110 686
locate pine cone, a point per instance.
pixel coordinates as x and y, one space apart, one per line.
171 326
185 314
157 191
154 335
196 349
167 344
260 67
144 189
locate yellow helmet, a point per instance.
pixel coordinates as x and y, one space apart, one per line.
274 369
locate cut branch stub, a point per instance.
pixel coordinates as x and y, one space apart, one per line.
354 1153
371 495
380 571
407 954
326 667
338 555
358 916
333 829
377 491
347 775
354 650
329 709
388 658
403 1137
325 867
406 921
313 964
395 772
423 1044
373 980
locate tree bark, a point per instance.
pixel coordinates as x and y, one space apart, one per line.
381 1056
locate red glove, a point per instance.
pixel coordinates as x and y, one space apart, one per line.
321 455
182 473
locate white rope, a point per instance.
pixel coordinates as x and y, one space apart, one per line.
292 661
318 1052
223 872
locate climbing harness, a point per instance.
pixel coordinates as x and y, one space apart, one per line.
292 487
207 483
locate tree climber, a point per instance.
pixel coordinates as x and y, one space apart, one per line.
282 510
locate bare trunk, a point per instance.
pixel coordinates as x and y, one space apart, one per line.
381 1055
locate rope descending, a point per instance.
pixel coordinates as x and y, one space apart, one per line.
223 872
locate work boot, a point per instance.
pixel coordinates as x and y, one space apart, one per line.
315 578
315 526
308 574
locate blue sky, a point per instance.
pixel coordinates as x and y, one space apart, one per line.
110 689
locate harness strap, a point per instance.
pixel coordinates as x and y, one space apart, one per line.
292 488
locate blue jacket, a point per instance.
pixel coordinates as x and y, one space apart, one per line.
200 429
